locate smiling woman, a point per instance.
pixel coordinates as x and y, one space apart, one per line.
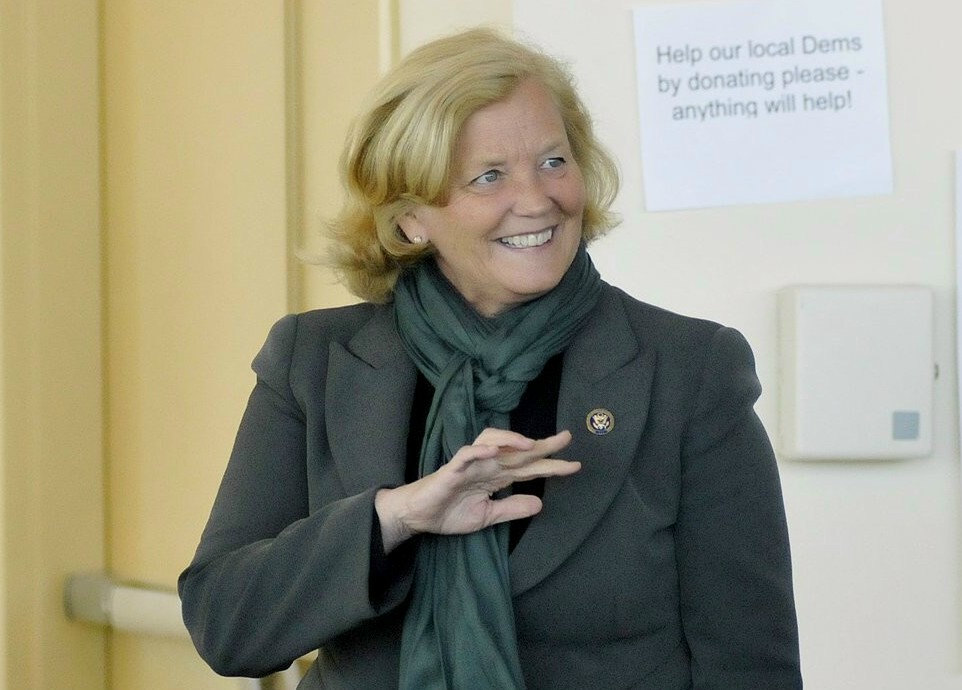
407 150
499 472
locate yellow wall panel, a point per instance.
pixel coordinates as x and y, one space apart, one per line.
50 339
337 64
196 244
196 258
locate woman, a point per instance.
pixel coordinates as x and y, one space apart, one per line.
498 472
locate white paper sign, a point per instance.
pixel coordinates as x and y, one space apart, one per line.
761 101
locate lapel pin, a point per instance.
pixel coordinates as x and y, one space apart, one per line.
600 421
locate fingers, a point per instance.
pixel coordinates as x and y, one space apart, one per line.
494 442
515 459
542 448
503 438
458 497
514 507
511 440
542 469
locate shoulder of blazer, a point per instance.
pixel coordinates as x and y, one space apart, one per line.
677 339
337 324
659 327
684 345
366 330
696 356
299 347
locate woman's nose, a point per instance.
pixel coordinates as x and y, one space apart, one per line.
531 196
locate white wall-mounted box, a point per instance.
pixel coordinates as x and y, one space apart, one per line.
856 372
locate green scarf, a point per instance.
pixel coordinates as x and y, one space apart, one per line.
459 631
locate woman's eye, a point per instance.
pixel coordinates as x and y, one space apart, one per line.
553 163
488 177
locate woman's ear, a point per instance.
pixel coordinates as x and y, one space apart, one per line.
412 227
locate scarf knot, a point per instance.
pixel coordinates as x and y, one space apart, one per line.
496 392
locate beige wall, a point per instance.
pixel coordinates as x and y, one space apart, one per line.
50 339
423 20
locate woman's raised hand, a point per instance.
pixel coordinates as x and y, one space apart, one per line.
458 497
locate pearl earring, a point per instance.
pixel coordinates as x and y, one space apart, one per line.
417 239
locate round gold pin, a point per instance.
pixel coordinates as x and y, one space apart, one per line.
600 421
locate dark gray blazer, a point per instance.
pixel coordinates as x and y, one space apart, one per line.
662 565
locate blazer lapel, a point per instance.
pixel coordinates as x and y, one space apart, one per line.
370 384
604 368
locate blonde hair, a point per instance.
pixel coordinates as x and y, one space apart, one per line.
399 152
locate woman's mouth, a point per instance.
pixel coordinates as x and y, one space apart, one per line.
534 239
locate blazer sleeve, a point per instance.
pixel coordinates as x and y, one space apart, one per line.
734 564
273 579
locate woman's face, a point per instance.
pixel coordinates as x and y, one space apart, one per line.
512 225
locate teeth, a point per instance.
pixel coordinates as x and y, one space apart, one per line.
535 239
